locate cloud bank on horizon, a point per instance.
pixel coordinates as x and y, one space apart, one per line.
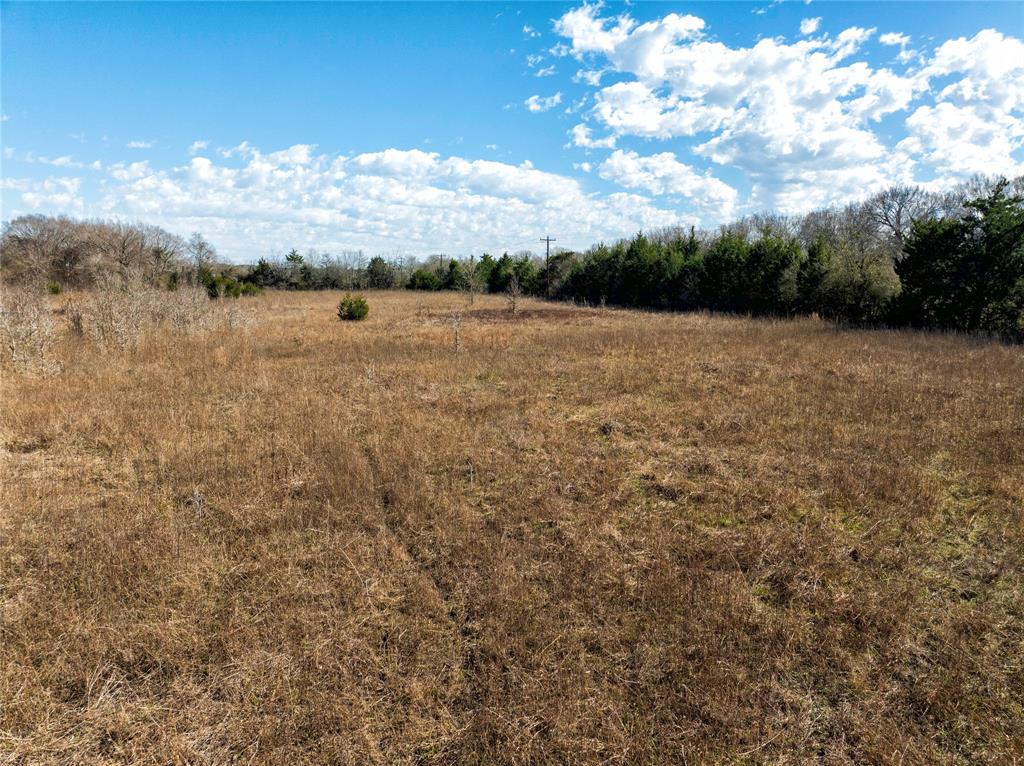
666 125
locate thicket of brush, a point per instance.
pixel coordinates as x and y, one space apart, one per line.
115 315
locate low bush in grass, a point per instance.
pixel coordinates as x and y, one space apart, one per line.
353 308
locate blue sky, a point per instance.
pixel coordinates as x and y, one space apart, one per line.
424 127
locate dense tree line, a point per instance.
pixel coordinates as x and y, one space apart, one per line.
904 257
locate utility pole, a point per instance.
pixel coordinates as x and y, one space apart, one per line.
547 264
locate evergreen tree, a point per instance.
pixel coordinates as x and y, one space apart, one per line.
380 275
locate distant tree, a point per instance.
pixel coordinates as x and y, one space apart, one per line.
812 276
423 279
501 273
202 253
896 209
967 273
771 266
528 274
455 277
296 274
380 275
723 282
264 275
483 270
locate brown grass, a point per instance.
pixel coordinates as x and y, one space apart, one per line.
589 537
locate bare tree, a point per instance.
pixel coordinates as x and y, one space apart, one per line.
37 247
77 253
895 209
513 293
202 253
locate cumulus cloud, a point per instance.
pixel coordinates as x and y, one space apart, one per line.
663 174
799 118
254 202
977 124
582 137
60 193
809 26
197 146
891 38
543 103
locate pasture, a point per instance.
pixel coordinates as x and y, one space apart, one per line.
577 535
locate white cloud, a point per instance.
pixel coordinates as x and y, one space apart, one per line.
543 103
545 71
810 26
63 161
894 38
197 146
140 144
977 122
591 77
130 172
254 202
242 150
530 31
663 174
582 137
798 119
49 194
959 141
589 34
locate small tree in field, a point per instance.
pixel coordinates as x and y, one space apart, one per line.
513 293
353 308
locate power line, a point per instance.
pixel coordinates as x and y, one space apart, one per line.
547 263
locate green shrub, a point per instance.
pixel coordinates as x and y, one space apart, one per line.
54 288
353 308
424 279
248 288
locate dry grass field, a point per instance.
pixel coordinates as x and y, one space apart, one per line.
588 536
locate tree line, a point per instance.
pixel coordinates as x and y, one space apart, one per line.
904 257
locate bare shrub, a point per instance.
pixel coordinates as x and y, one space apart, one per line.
231 316
456 331
513 292
119 314
122 313
186 310
28 332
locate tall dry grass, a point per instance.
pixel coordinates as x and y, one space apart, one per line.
589 536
